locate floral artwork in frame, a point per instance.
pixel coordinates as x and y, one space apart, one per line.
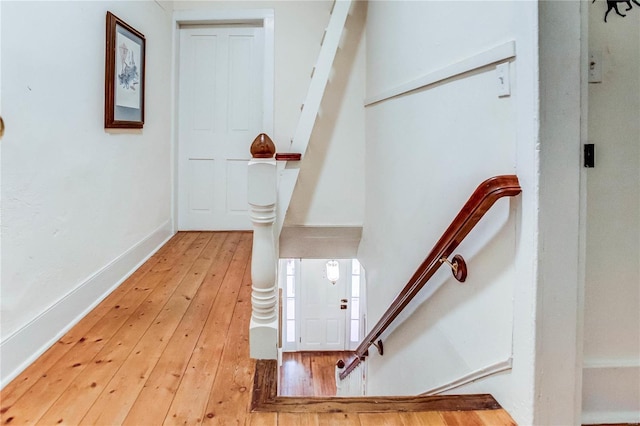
124 76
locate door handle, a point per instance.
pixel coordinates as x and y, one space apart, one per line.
343 306
343 300
1 127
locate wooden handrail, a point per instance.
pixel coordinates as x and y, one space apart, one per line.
288 156
487 193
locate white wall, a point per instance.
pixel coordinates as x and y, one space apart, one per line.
612 295
330 189
426 152
0 150
81 206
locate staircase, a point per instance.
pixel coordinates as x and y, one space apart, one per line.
270 188
319 78
269 408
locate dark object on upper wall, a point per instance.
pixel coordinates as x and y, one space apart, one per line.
124 82
613 5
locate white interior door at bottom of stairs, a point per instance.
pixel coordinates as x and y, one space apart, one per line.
220 113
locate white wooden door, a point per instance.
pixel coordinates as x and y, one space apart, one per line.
220 113
322 320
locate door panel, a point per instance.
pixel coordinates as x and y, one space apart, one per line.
333 332
237 194
203 90
220 112
200 193
240 78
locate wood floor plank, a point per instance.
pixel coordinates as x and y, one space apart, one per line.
331 419
380 419
297 419
118 396
30 375
191 397
229 399
96 373
462 418
296 376
48 388
495 417
160 388
323 375
261 419
309 373
428 418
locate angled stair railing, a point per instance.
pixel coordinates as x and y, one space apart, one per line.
487 193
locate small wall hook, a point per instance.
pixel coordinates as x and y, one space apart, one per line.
458 267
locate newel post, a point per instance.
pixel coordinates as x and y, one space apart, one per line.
262 197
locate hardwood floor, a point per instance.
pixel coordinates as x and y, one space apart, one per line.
170 346
429 418
309 373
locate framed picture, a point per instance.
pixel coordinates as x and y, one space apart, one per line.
124 76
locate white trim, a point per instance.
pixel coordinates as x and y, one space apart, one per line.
24 346
174 126
282 280
268 24
611 363
602 376
213 17
219 16
582 209
496 54
175 75
481 373
610 417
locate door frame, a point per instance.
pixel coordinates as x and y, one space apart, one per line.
261 17
582 210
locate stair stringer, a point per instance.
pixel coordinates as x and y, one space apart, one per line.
289 171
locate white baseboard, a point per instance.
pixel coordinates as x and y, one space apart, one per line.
607 418
611 391
24 346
